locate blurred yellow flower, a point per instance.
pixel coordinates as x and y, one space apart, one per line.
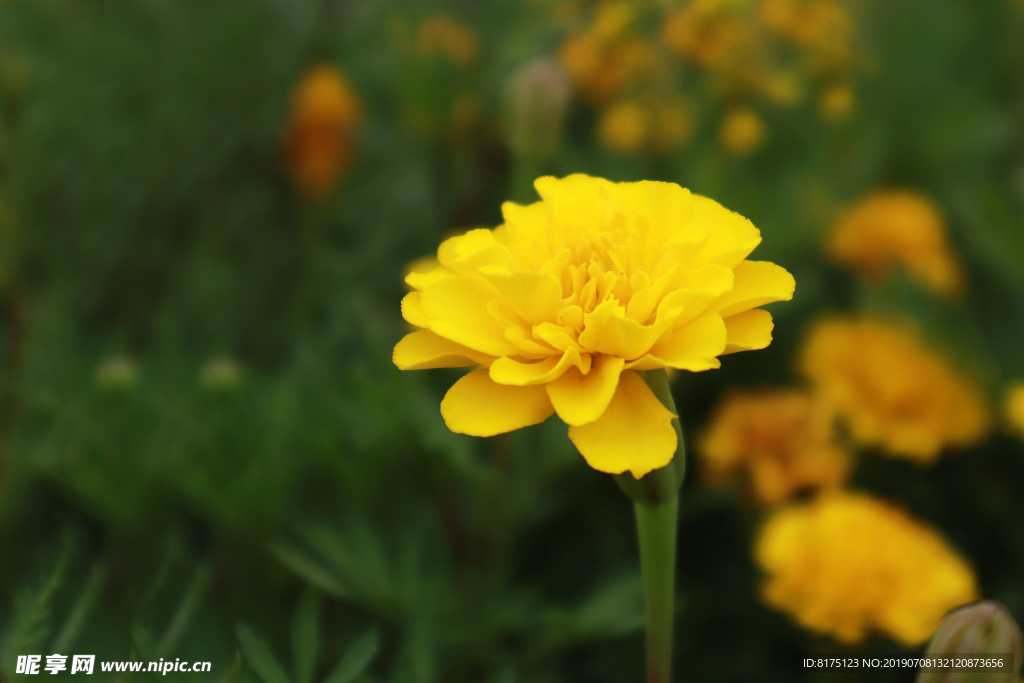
782 87
836 102
607 57
742 131
567 302
892 391
847 564
897 228
318 141
623 126
823 28
783 441
1015 408
715 34
446 35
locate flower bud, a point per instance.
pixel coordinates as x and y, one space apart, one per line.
982 628
535 101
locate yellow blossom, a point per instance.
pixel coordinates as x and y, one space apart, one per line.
606 57
782 440
742 131
624 126
1015 408
443 34
318 140
836 102
847 565
892 391
715 34
897 228
567 302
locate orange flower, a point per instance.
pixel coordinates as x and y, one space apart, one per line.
318 140
892 391
782 440
897 228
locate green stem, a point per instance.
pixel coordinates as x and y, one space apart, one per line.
656 527
656 500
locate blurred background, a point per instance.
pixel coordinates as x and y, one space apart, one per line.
206 213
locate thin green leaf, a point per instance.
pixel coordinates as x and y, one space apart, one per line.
186 610
358 657
260 658
306 635
81 611
310 570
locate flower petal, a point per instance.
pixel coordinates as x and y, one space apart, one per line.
536 297
411 310
457 309
512 372
757 283
465 254
634 433
477 406
608 330
578 398
748 330
423 350
731 238
695 346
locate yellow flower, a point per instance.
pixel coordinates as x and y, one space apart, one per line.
783 440
623 126
886 229
716 34
742 131
606 58
1015 408
847 564
318 140
836 102
573 296
442 34
892 391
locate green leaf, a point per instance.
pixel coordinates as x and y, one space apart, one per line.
310 570
187 608
358 657
80 612
306 635
260 658
231 675
32 624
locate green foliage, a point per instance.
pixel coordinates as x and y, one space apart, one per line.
318 506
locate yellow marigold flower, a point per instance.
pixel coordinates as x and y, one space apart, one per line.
606 58
742 131
442 34
318 140
782 440
847 564
715 34
573 296
897 228
836 102
892 391
624 126
1015 408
